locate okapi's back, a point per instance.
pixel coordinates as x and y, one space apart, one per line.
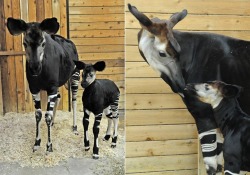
65 53
67 45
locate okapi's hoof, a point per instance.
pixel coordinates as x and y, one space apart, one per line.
114 140
74 128
36 145
106 138
95 156
49 148
113 145
219 168
87 148
86 145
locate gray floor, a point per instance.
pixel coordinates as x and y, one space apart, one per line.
71 167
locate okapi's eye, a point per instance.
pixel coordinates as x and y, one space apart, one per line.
162 54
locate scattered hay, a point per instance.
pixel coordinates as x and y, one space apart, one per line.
18 137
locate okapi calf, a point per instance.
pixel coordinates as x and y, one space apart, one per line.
100 95
49 65
233 122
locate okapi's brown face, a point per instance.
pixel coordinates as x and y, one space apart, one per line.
34 40
160 48
213 92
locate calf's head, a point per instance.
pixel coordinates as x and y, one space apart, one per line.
34 40
213 92
160 45
89 71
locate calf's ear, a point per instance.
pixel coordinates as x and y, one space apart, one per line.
80 65
231 91
16 26
50 25
99 66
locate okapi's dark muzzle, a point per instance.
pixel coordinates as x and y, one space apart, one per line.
84 84
35 69
190 89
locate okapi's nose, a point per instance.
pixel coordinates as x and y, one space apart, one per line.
84 84
35 68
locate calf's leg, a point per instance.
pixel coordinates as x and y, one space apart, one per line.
96 129
232 154
38 115
115 114
220 139
108 114
85 122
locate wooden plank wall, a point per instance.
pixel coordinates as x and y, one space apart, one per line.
16 95
161 136
97 29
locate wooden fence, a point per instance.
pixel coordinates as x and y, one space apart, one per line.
96 27
161 136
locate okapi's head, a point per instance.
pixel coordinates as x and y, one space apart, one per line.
34 40
159 46
213 92
89 71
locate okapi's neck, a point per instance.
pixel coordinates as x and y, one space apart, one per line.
226 112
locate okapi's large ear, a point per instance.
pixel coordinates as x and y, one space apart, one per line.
99 66
143 19
175 18
16 26
231 91
50 25
173 42
80 65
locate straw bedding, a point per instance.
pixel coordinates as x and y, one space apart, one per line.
17 136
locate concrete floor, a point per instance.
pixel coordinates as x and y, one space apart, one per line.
71 167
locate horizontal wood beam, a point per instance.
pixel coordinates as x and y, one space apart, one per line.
11 53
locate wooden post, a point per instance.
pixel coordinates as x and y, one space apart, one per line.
19 67
2 47
10 86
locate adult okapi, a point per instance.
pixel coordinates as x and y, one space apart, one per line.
49 65
188 57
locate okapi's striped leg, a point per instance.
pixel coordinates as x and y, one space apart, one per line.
85 122
96 129
55 108
115 114
48 118
108 114
74 88
209 150
38 115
